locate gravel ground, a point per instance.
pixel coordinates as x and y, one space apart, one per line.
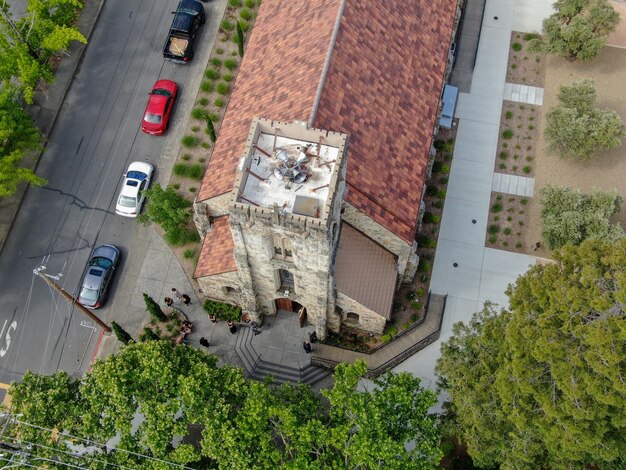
606 170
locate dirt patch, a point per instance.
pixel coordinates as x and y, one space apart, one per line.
507 222
524 67
517 142
606 170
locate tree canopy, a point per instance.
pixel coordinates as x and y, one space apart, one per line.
570 217
577 128
578 30
540 384
152 398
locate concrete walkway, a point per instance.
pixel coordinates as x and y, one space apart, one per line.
463 267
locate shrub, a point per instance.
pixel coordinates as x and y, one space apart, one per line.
497 207
222 88
516 46
428 217
431 190
203 101
234 3
436 218
414 317
196 171
212 74
493 239
445 169
493 229
195 128
438 204
192 189
420 292
190 141
219 102
423 266
507 231
502 166
186 157
496 218
529 36
436 167
410 295
503 155
527 169
507 134
523 201
150 335
219 51
227 26
153 308
416 304
432 243
207 86
205 145
441 194
250 3
221 310
508 115
227 77
230 64
443 180
216 62
198 113
245 14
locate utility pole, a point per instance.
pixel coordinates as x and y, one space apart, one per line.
69 297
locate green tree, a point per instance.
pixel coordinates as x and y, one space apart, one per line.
121 333
578 30
577 128
27 44
153 308
570 217
240 40
372 429
540 385
211 130
172 212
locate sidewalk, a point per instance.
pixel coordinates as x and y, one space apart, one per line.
463 267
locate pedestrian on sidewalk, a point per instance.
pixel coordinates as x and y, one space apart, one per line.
186 299
213 318
169 301
204 342
177 294
231 327
307 346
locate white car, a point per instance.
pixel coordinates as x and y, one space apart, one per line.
136 180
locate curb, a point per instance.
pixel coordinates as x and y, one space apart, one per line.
15 202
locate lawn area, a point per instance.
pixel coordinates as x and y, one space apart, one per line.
606 170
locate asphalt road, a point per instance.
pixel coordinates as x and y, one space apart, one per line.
96 136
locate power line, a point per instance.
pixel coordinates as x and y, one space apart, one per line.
90 442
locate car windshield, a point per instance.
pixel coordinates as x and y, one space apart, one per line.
161 91
89 294
104 263
152 118
135 175
126 201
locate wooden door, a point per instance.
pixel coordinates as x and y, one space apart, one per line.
284 304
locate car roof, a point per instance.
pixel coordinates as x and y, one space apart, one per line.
156 104
94 277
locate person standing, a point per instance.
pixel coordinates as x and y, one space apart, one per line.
204 342
213 318
177 294
231 327
169 301
186 299
307 346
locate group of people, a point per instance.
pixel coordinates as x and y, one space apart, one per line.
181 298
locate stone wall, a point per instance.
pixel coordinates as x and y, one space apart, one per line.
215 287
369 321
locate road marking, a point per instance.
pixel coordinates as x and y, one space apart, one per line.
7 337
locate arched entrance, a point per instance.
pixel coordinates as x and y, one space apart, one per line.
292 306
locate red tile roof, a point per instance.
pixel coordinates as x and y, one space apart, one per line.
365 271
278 79
383 89
216 256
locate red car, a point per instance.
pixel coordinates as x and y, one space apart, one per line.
159 108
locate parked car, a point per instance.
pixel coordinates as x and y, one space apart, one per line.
159 107
98 275
188 18
136 181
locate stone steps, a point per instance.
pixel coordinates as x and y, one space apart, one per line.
258 369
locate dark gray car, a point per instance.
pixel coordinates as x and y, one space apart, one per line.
98 275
